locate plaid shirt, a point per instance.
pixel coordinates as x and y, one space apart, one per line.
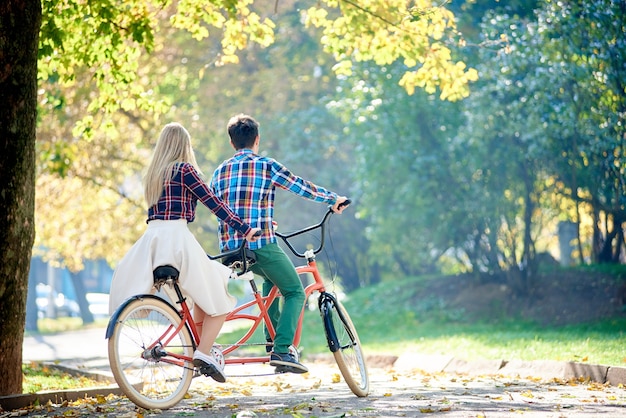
180 197
247 183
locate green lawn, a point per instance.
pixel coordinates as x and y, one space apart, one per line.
388 322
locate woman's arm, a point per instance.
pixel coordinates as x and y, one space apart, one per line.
200 189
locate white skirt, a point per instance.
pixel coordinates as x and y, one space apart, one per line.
171 243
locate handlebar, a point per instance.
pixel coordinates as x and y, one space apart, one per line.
321 225
241 258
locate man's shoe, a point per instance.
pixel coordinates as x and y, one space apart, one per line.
286 363
208 366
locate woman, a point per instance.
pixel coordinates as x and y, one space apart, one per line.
172 188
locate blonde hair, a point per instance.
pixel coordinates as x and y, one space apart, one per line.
173 146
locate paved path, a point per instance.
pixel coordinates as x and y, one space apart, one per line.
409 386
81 344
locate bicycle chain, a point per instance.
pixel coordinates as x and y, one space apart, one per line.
198 374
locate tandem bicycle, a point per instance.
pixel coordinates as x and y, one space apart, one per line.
151 340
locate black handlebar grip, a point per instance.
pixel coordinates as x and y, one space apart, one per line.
344 203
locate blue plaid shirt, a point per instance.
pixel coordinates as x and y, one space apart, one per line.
247 183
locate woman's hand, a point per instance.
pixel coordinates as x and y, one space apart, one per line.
253 235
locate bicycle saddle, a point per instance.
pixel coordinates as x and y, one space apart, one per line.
235 261
163 273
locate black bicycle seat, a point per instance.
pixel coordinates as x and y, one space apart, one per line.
164 273
250 256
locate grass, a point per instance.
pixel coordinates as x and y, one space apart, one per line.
48 326
389 321
39 377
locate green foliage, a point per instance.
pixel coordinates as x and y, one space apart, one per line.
542 98
390 320
389 32
479 185
470 185
407 167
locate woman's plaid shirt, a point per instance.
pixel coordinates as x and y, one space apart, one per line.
180 197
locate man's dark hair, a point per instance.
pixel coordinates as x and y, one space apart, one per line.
242 130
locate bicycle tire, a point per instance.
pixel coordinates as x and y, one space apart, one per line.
144 375
345 345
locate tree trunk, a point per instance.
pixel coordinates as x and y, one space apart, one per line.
81 298
20 21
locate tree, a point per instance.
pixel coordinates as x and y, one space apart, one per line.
19 37
589 76
545 133
102 41
538 132
155 82
408 181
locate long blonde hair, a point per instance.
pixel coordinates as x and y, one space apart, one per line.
173 146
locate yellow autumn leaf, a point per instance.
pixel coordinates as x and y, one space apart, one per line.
387 394
336 378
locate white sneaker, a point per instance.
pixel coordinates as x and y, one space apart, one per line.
208 366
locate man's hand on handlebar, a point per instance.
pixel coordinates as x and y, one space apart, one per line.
341 203
253 235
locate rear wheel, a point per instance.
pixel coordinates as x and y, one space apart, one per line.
344 343
145 353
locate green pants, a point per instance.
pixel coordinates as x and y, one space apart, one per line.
277 269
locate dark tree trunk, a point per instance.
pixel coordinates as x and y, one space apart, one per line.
20 21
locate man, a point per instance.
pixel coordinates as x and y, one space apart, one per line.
247 183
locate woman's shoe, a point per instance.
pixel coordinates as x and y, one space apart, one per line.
208 366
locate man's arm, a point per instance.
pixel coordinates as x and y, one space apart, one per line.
286 180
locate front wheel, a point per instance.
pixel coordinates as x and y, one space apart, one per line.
150 352
344 343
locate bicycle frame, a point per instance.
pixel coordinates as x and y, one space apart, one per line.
152 340
262 318
262 302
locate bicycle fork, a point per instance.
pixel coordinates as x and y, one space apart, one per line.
326 302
